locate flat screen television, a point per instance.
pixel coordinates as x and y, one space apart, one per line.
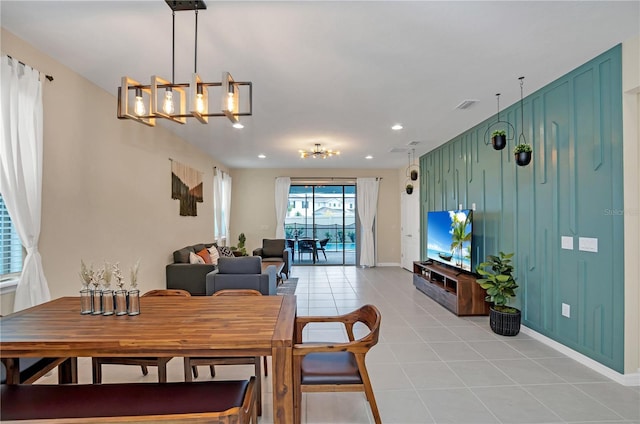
449 237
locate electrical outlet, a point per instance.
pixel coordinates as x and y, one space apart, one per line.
566 310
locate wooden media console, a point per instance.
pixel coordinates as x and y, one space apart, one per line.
455 290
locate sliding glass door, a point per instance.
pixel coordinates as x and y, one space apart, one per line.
320 226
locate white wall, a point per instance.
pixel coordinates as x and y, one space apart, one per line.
107 183
253 205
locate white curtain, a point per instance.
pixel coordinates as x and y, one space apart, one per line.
367 202
21 171
282 203
221 206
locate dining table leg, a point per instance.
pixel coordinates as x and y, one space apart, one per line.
68 371
282 371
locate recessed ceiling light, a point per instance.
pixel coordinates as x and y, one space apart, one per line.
397 127
368 157
238 125
261 156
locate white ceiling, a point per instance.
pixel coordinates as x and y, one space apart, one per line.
332 72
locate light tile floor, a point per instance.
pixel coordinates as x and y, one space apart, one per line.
431 366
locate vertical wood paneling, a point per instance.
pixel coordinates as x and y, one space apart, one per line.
574 125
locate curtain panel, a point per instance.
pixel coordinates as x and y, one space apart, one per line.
221 206
21 146
282 202
367 202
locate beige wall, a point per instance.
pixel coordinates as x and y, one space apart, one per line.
631 137
253 205
107 183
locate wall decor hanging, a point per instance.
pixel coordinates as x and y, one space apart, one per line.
186 185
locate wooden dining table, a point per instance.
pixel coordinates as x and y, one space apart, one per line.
202 326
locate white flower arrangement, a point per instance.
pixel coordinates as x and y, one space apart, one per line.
107 273
117 275
86 274
134 274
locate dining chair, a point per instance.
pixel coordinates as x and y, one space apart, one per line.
321 248
306 246
191 363
161 363
335 367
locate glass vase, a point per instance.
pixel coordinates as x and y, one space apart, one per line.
133 306
107 302
85 301
121 302
96 301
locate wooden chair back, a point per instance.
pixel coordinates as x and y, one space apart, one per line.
237 292
356 349
167 292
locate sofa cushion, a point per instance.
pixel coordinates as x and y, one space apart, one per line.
240 265
225 251
214 254
204 254
182 256
272 248
195 259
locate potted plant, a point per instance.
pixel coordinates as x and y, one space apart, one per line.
499 139
240 250
497 279
523 154
409 188
413 175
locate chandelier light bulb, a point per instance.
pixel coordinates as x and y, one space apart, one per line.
200 102
230 101
139 108
168 106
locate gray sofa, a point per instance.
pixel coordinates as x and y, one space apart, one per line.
243 272
186 276
275 250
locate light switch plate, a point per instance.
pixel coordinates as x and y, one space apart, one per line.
566 310
567 242
588 244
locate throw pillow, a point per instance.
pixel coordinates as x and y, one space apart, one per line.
204 254
214 254
195 259
225 251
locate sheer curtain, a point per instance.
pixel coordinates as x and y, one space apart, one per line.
21 171
221 206
367 202
282 203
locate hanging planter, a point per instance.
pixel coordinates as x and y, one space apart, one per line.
413 175
522 154
499 139
409 188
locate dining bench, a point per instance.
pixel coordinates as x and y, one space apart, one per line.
223 402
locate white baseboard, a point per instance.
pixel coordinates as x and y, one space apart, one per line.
632 379
388 264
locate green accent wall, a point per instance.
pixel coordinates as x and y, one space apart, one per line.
573 187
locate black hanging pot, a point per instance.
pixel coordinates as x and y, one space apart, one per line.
414 175
409 189
499 142
523 158
504 323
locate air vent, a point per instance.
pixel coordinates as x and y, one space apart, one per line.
414 143
398 150
466 104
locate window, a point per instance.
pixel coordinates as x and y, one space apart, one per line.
10 245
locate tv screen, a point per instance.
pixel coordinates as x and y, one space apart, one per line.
449 235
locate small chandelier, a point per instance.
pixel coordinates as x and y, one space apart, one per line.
318 152
145 103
